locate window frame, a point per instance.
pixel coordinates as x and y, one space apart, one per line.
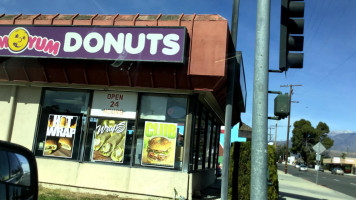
216 143
197 133
39 116
211 119
138 118
109 163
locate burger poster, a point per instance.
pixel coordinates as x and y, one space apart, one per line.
159 143
60 135
109 141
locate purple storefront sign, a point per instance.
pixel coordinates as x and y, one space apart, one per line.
161 44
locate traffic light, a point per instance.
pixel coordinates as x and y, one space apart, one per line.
291 38
281 105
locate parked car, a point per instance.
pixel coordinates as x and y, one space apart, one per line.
303 167
297 166
337 171
321 169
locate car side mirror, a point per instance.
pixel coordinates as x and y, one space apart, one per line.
18 172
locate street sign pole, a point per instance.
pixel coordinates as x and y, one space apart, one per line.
318 148
317 171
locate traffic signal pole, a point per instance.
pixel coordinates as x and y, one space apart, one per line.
258 188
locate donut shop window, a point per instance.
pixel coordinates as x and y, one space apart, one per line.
111 127
160 131
60 127
109 140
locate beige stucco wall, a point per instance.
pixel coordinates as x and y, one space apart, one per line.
152 182
5 94
28 99
26 109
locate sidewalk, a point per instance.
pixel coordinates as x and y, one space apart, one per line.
291 187
213 192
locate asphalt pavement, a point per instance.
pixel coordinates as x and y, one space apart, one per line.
293 187
345 184
302 186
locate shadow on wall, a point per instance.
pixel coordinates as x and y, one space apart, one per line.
5 93
24 94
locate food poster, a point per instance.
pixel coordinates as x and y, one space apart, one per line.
109 140
60 135
159 144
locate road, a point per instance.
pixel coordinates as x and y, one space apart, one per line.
26 180
344 184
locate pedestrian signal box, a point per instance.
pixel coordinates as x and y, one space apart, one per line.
281 105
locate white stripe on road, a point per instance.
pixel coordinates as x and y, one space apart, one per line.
336 180
353 183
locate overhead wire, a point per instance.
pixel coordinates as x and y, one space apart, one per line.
315 34
336 21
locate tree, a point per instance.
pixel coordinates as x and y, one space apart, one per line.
343 155
322 130
305 136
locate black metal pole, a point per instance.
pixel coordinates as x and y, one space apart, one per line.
231 75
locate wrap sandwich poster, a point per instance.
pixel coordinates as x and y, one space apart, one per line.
159 144
109 141
60 135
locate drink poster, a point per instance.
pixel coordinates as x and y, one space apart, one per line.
60 135
109 140
159 144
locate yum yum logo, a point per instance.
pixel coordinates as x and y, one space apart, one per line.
20 39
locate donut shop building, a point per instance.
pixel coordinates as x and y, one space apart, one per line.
129 105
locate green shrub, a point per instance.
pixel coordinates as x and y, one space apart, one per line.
240 172
273 189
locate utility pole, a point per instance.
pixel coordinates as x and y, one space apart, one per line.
290 103
275 137
270 134
258 186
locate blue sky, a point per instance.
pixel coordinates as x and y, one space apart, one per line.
328 77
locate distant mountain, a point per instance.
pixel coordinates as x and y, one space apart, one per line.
334 133
343 142
332 153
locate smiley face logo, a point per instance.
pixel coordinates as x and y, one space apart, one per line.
18 40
